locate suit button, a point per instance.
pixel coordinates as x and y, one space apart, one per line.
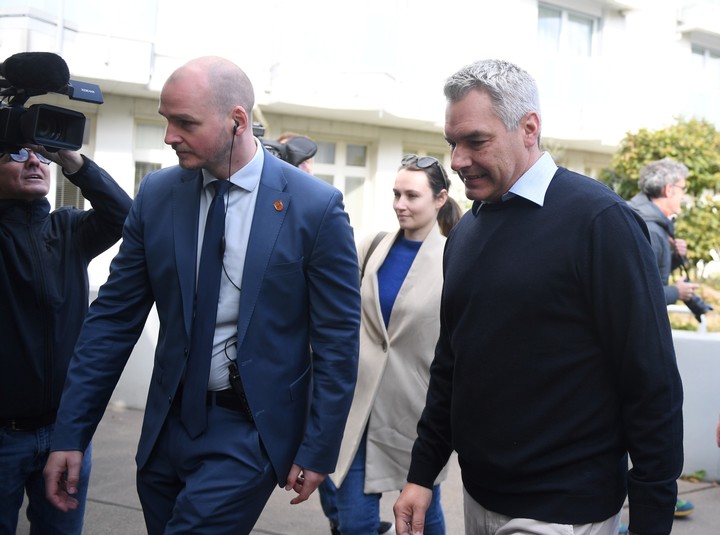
384 345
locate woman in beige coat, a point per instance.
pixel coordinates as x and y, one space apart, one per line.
400 291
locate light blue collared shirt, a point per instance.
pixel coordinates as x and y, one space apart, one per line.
240 209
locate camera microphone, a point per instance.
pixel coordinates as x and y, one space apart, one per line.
36 72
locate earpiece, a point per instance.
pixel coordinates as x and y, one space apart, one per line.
237 125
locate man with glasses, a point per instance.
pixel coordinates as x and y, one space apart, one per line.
662 186
44 286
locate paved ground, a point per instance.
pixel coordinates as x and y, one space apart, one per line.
113 507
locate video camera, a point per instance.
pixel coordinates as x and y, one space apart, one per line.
29 74
294 151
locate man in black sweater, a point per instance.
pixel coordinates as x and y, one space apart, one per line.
555 358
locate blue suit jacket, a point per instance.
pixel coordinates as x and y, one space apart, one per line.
298 319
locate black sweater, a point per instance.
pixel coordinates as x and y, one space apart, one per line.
555 358
44 285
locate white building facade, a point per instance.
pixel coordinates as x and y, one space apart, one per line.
364 79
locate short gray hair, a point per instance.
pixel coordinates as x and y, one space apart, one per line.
512 90
658 174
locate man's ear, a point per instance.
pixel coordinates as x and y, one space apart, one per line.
531 128
240 119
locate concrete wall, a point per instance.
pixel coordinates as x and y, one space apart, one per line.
698 358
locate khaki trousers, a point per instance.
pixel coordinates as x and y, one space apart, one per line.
480 521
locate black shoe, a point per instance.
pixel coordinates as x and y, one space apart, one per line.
385 527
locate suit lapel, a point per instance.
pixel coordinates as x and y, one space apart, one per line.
186 199
271 206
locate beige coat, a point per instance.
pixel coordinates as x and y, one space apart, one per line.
394 366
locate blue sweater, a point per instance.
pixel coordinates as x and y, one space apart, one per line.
393 271
555 359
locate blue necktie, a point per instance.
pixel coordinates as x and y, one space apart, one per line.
194 397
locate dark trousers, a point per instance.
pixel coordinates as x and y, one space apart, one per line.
215 484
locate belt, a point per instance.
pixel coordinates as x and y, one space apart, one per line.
28 424
227 399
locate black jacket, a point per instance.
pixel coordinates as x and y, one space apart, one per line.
661 229
44 285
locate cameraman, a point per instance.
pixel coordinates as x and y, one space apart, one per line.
304 161
44 284
662 189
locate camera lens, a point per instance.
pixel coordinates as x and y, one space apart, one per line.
53 127
49 128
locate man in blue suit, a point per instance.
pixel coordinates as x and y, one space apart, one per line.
287 321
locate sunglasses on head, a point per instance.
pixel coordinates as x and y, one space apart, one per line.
423 162
23 155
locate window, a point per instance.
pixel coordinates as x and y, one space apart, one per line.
142 169
345 166
149 149
67 193
703 81
561 31
325 152
706 65
356 155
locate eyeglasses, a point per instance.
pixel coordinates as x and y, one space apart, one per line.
683 188
23 155
423 162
